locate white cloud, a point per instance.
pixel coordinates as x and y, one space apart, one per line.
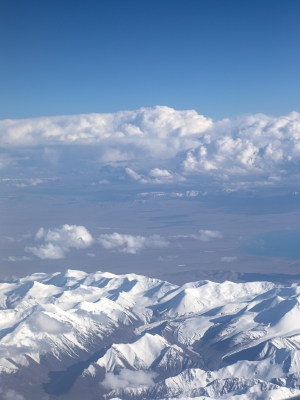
58 241
12 395
156 175
206 235
187 193
251 146
203 235
192 193
133 244
31 182
22 183
162 145
16 258
47 251
135 176
128 378
158 130
130 244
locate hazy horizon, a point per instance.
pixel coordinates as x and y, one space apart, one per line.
155 191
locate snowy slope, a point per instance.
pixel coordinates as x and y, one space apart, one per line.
133 337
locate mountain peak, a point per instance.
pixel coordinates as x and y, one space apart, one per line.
202 339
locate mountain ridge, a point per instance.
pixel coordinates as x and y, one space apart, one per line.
133 337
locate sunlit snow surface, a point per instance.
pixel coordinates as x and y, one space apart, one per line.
133 337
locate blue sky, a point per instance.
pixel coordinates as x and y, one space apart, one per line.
199 179
222 58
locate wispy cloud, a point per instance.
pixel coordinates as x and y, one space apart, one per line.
228 259
128 378
22 183
17 258
11 394
156 175
206 235
131 244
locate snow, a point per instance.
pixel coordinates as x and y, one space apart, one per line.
192 329
253 327
139 354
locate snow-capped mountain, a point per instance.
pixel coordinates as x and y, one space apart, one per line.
75 335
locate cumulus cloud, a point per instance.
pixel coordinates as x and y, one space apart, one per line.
162 145
249 146
131 244
47 251
128 378
59 241
158 130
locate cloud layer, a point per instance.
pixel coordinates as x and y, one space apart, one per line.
161 145
157 130
255 144
56 243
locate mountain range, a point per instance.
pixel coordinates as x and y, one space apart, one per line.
75 335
